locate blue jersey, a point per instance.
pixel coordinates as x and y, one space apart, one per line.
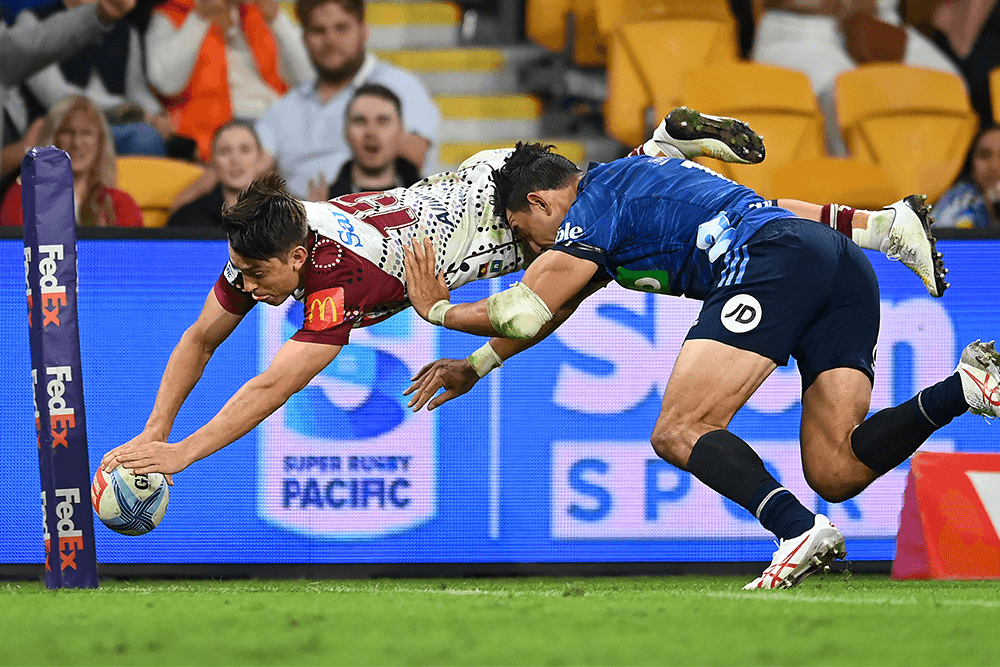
663 225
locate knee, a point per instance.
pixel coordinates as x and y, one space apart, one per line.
831 487
673 440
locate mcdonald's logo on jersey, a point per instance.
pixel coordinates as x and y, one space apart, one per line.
324 309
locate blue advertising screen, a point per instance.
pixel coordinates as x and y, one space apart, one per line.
545 460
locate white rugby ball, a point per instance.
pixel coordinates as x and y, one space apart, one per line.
129 504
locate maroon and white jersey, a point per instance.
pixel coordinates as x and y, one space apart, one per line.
354 275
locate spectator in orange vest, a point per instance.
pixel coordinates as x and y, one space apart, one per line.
213 60
77 126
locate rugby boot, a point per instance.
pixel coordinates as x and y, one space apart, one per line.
978 369
905 228
801 556
696 134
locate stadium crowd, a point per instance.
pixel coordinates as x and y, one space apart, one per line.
243 87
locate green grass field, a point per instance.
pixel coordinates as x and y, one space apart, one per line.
838 619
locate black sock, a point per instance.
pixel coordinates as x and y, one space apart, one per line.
782 513
944 401
889 436
729 466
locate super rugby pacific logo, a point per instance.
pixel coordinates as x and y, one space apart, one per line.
742 313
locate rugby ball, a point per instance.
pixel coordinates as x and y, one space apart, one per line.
129 504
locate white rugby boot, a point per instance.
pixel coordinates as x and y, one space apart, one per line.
688 133
905 230
801 556
980 376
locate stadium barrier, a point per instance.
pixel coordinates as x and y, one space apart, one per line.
50 268
545 469
951 510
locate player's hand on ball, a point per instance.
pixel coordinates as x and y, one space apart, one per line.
148 456
455 376
111 461
423 287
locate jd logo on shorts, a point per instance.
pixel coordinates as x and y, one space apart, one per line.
741 313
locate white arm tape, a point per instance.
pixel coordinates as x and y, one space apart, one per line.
484 360
517 312
436 314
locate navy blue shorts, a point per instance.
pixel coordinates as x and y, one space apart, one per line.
800 289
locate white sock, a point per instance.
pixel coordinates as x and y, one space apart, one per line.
876 234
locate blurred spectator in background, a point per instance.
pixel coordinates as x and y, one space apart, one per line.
111 73
824 38
214 60
26 48
974 200
971 30
77 126
304 131
374 131
236 153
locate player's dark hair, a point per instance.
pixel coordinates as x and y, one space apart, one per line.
530 168
303 8
266 221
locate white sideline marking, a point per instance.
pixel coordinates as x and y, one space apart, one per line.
750 596
839 599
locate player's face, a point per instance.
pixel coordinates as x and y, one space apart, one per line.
80 136
235 157
532 225
986 162
335 40
374 132
273 280
538 224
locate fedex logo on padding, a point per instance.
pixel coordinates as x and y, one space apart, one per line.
70 538
61 417
45 530
53 294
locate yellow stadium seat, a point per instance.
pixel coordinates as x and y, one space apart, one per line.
610 14
777 103
545 24
646 64
154 182
834 180
995 93
915 123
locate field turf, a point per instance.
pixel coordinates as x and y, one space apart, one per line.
837 619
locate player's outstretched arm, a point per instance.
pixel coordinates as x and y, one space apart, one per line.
518 312
458 376
295 364
185 367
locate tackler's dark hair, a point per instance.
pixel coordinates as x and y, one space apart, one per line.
266 221
530 168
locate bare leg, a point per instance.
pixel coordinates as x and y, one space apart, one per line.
832 407
696 402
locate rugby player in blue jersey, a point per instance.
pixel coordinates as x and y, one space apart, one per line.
773 286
